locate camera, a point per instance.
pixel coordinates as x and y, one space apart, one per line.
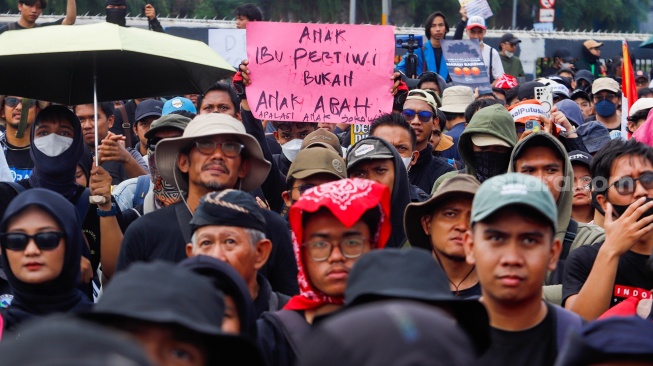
410 43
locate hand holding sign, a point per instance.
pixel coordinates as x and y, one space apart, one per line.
319 72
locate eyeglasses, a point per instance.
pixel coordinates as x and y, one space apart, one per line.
48 240
608 97
423 116
151 143
303 188
12 102
320 250
586 181
626 185
230 149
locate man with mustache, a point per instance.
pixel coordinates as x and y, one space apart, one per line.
512 243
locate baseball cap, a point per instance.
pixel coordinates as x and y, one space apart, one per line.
509 37
476 21
229 207
527 90
526 110
455 99
485 139
640 74
580 94
324 138
564 54
559 90
580 157
424 96
446 142
566 69
168 121
584 75
640 104
178 104
608 84
317 161
590 43
459 185
572 111
147 108
513 189
370 148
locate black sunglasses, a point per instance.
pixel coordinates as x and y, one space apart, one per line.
12 102
423 116
626 185
45 241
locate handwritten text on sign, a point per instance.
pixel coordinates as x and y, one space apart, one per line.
319 72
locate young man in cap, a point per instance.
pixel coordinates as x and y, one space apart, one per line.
584 102
541 155
511 63
174 314
214 153
641 79
146 112
638 113
562 58
178 104
582 209
512 243
606 96
439 224
602 275
476 30
591 53
455 100
230 226
30 11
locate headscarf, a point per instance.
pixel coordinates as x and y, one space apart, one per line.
347 200
86 163
165 194
59 294
57 173
231 283
644 133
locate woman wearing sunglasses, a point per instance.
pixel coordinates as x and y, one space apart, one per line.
41 245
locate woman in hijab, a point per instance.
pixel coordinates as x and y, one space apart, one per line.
41 245
332 224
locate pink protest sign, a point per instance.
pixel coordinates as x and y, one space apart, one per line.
319 72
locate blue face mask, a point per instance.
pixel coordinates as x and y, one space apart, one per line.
605 108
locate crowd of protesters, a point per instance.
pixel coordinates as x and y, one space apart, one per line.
468 227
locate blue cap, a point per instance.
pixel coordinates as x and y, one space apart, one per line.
178 104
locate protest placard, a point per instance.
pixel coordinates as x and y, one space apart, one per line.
477 7
319 72
230 44
465 63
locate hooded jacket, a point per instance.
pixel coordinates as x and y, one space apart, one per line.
589 62
586 234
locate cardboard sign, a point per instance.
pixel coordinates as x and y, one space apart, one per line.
320 72
547 15
230 44
477 7
465 63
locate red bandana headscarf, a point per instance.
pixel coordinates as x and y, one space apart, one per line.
348 200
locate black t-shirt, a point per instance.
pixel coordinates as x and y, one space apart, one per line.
473 292
632 277
18 158
16 26
534 347
427 170
437 52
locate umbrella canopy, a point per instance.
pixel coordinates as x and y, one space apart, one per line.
648 43
58 64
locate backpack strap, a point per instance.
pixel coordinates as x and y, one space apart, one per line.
565 321
490 69
19 188
142 187
570 236
126 126
294 327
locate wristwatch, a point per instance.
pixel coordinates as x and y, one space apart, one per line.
111 212
567 133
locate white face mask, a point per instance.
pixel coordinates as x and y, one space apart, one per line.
291 148
407 162
53 145
508 54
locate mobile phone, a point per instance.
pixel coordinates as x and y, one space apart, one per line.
532 125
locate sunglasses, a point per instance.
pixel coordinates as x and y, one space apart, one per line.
230 149
304 187
48 240
12 102
626 185
151 143
423 116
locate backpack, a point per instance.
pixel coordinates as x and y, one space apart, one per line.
142 188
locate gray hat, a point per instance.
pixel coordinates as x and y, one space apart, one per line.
148 108
514 189
608 84
317 161
455 99
461 184
229 207
368 149
175 121
324 138
594 135
207 125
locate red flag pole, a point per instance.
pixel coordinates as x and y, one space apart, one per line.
628 88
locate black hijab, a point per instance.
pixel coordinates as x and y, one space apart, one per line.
60 294
227 280
57 173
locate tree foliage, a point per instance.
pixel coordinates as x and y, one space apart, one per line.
603 15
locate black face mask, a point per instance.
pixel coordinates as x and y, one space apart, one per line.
490 164
620 209
117 16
